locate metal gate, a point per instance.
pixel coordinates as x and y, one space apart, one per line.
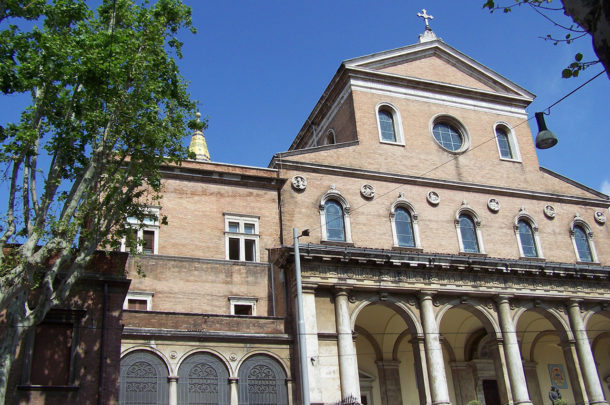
203 380
262 381
143 380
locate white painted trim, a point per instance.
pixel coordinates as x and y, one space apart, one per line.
241 235
451 120
369 86
139 295
243 301
397 121
141 227
512 142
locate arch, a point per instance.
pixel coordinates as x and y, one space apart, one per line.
154 351
262 381
210 351
508 147
526 232
479 311
341 208
582 240
468 229
389 124
143 378
538 337
401 226
397 305
364 333
203 378
558 321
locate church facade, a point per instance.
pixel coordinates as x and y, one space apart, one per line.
442 263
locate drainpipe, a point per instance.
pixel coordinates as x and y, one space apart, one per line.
100 383
301 321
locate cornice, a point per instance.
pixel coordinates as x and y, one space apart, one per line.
440 183
224 177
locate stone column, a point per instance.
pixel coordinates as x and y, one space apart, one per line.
348 364
514 363
289 389
311 339
533 385
421 369
574 372
173 389
389 382
463 382
585 356
434 353
233 390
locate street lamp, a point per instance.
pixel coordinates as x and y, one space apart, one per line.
300 319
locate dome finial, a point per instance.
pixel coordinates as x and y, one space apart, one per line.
198 145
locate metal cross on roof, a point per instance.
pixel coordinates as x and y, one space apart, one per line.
426 17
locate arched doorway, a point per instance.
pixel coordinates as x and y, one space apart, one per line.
143 379
473 362
262 381
203 379
544 346
387 350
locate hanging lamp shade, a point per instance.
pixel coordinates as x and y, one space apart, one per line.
545 138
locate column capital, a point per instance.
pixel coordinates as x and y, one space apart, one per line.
309 287
503 297
341 290
172 378
427 294
233 380
574 301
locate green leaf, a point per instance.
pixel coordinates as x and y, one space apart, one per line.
566 73
578 57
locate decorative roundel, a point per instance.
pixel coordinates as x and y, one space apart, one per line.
367 191
549 211
433 198
600 217
299 183
493 205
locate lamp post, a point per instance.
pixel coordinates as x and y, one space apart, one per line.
300 319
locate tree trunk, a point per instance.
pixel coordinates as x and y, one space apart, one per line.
594 17
10 337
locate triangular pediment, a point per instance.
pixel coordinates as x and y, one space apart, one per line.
437 62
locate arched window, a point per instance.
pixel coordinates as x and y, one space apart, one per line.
404 228
330 138
526 239
507 142
262 381
203 379
335 227
582 244
404 224
389 125
143 379
467 225
386 125
470 242
334 217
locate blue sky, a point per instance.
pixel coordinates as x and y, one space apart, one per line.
258 68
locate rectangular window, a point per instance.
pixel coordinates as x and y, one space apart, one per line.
138 301
241 237
52 353
243 305
145 232
50 350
